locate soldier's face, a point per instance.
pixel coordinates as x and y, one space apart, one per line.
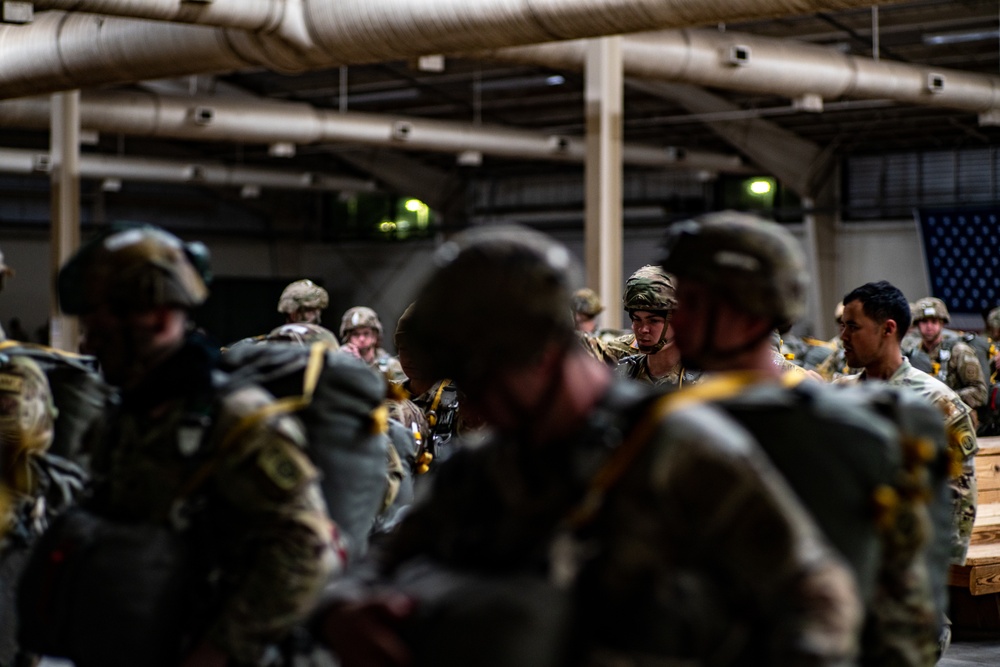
865 340
648 327
930 329
120 341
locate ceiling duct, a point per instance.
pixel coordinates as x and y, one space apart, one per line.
269 122
62 51
108 167
751 64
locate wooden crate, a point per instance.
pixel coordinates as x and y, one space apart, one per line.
981 572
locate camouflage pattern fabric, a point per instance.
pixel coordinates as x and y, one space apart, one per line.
957 365
650 584
962 445
993 324
587 302
301 295
636 367
264 515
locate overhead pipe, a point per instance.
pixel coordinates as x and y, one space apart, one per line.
752 64
61 51
197 172
235 119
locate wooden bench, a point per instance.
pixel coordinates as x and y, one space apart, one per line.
975 605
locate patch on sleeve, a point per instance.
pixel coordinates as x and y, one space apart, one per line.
287 469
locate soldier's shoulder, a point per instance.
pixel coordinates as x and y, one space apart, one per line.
947 401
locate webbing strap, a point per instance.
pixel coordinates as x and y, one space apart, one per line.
7 344
432 411
712 389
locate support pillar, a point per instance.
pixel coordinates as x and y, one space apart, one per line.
64 331
821 245
603 232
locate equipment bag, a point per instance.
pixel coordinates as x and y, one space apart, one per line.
340 402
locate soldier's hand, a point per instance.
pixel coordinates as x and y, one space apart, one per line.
366 633
351 349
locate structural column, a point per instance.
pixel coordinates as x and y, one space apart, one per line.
821 244
64 331
603 234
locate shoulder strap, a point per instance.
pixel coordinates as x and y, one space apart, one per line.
717 388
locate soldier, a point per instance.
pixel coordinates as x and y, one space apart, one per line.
586 307
954 361
38 484
361 336
740 278
875 318
599 486
303 301
649 301
257 510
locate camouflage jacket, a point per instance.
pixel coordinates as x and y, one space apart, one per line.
387 365
659 569
262 513
58 484
955 363
962 444
636 367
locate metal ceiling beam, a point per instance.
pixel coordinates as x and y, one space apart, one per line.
194 172
265 121
61 51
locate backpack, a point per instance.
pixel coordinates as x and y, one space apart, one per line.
344 418
78 392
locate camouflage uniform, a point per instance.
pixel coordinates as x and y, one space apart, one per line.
259 512
636 367
39 485
615 516
962 445
383 362
954 362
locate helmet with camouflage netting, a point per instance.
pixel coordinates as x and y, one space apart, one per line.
303 295
302 333
649 288
133 269
498 297
755 264
993 321
358 317
587 302
27 413
930 308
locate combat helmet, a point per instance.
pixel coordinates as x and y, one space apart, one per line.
27 416
497 297
357 317
930 308
587 302
133 269
752 262
649 288
993 322
302 333
303 295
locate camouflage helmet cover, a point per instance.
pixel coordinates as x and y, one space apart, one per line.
303 295
587 302
27 413
649 288
357 317
755 263
302 333
498 296
133 269
930 308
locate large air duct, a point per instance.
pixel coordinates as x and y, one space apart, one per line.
269 122
738 61
62 51
194 172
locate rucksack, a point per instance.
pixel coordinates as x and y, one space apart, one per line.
78 392
344 419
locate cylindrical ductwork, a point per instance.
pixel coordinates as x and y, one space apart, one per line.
19 161
253 15
738 61
235 119
62 51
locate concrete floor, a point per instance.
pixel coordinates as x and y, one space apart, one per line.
972 652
